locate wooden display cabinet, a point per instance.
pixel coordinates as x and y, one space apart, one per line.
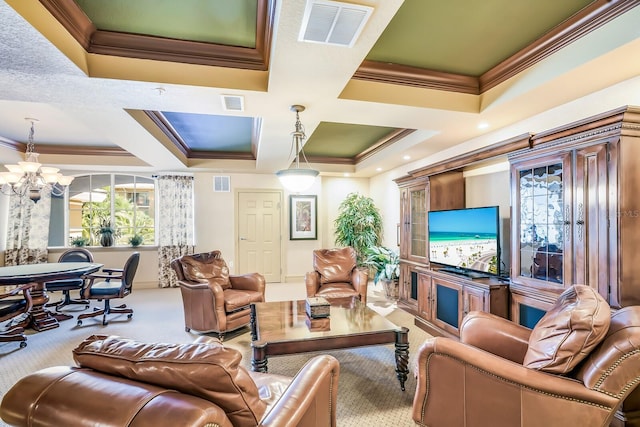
446 298
418 195
409 287
576 210
413 221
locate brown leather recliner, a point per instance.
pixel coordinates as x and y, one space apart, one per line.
120 382
213 299
483 380
336 275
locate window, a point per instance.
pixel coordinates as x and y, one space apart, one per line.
124 202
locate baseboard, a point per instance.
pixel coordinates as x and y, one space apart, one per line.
145 285
292 279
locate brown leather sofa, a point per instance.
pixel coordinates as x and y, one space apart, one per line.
120 382
573 369
336 275
214 300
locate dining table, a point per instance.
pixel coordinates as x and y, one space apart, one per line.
37 275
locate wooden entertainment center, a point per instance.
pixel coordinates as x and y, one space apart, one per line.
575 218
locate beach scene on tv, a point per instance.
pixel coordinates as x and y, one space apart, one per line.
466 238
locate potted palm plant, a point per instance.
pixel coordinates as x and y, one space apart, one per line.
358 224
386 264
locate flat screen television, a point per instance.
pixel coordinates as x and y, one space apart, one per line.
466 241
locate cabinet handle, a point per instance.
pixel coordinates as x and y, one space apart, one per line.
580 221
567 223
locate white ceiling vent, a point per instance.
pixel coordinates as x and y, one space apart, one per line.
332 22
233 102
221 184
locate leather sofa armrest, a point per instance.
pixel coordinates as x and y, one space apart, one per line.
193 285
496 335
360 280
310 399
446 369
215 288
312 282
248 282
36 399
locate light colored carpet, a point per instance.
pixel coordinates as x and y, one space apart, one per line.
368 395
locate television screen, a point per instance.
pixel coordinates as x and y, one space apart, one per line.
466 239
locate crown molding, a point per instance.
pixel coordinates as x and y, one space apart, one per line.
73 19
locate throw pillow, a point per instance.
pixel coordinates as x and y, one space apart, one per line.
206 269
204 369
569 331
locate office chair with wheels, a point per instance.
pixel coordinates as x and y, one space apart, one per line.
107 284
68 285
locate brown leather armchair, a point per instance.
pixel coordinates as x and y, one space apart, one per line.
213 299
336 275
120 382
482 380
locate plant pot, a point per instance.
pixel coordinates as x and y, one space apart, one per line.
391 288
106 239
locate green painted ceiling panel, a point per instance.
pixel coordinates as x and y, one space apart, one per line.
343 140
228 22
421 33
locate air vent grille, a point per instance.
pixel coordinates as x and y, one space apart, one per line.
332 22
233 102
221 184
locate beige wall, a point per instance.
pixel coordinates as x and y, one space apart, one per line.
386 196
215 216
491 188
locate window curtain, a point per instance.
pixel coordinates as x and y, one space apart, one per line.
28 229
175 224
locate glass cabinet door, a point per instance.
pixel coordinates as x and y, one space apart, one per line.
418 223
543 222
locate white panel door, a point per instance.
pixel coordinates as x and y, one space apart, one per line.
259 229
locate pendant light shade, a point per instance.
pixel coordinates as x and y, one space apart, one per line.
296 179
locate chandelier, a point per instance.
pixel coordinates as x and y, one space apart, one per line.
296 179
30 178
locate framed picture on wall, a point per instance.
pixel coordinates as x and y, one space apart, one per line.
303 217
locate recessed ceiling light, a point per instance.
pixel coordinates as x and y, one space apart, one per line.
378 169
347 175
483 125
407 157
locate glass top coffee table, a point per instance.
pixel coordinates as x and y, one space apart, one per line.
281 328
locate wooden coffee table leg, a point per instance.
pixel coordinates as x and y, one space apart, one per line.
259 359
402 355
